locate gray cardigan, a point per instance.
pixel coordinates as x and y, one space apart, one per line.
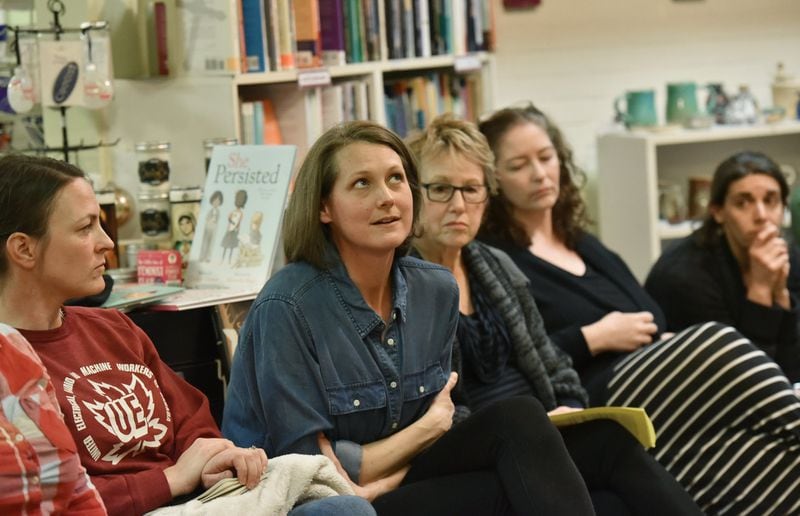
548 369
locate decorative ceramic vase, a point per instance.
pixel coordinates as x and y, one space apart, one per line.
717 101
743 108
640 109
681 102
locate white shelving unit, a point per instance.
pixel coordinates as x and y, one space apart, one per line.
631 164
189 107
303 106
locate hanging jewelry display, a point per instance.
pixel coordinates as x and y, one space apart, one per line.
70 73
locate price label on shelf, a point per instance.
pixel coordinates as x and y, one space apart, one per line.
467 63
313 78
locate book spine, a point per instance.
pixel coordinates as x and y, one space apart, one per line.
258 122
394 28
286 34
408 28
422 28
248 123
361 99
253 25
308 37
160 20
458 20
272 130
272 33
332 32
446 26
371 29
353 31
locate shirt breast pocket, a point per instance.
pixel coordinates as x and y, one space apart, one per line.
354 398
424 383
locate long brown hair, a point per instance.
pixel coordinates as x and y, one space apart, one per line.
569 213
304 235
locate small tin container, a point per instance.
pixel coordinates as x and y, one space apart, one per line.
154 217
153 166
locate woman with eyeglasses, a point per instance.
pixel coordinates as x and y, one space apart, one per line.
501 349
347 351
727 420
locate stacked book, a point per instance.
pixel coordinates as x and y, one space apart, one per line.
412 103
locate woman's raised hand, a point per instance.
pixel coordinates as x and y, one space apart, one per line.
619 331
439 417
768 268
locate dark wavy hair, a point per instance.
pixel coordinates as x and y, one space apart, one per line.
734 168
569 213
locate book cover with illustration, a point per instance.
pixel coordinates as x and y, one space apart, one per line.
240 216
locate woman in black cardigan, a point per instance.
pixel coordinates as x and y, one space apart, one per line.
736 268
501 347
727 419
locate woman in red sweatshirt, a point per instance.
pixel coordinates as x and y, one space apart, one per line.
145 436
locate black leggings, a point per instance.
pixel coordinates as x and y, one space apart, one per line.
619 472
507 458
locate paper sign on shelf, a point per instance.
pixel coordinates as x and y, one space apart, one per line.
467 63
313 78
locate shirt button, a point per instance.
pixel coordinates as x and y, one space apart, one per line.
394 316
393 385
19 438
421 388
394 425
356 403
35 480
390 341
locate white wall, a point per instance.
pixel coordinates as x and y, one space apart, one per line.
573 57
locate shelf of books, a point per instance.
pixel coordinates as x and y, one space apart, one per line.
309 64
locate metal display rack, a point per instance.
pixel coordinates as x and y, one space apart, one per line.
57 9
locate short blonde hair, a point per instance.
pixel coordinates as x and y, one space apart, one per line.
448 135
304 235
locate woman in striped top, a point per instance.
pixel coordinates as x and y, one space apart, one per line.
727 420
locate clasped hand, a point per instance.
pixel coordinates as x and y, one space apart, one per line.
619 331
768 268
208 460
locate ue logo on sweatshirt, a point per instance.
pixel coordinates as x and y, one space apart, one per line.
126 411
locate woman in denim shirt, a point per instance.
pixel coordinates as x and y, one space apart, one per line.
350 344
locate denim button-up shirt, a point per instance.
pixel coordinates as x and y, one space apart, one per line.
314 357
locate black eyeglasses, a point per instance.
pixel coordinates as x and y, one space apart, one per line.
443 192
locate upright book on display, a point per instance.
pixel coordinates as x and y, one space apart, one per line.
240 217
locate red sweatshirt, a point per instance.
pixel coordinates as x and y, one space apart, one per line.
129 413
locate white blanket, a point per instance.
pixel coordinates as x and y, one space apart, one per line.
289 480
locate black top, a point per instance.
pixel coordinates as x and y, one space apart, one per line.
568 302
695 284
488 370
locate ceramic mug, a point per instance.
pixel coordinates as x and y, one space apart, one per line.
640 108
681 102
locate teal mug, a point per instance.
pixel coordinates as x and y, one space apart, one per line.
640 108
681 102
